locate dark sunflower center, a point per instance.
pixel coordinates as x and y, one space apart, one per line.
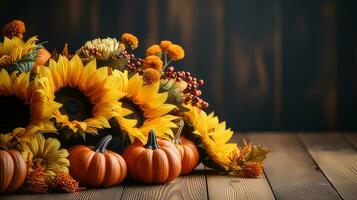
14 113
76 105
137 112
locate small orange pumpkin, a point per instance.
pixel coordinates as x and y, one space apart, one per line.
158 161
42 56
190 155
12 170
96 167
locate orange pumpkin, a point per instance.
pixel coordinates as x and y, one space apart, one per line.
12 170
190 155
158 161
96 167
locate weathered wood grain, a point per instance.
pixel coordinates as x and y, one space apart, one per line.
95 194
352 138
337 159
192 186
231 187
291 172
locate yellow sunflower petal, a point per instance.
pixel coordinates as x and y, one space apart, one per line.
5 83
147 106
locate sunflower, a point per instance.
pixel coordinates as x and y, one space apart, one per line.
25 107
17 55
88 95
213 136
144 108
39 152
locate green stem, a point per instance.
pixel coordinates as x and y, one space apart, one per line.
165 56
103 143
167 63
152 141
177 139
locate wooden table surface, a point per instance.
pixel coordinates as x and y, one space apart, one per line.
299 166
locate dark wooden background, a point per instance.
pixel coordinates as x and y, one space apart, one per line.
269 65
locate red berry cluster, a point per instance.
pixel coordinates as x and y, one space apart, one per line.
191 91
133 64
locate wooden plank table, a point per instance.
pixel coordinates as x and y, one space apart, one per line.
299 166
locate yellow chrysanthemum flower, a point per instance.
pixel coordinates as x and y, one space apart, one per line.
89 95
151 76
12 50
102 49
45 153
130 40
153 62
144 108
175 52
213 135
154 50
165 44
25 106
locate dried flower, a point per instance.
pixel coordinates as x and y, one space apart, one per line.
236 159
130 40
35 181
103 49
151 76
252 169
63 182
165 44
153 62
14 28
65 52
175 52
154 50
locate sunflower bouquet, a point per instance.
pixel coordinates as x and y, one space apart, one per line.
96 116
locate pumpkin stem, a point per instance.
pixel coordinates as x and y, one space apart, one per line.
177 139
152 141
103 143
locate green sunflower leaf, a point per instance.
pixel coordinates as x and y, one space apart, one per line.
26 63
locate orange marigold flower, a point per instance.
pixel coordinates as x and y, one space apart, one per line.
63 182
151 76
154 50
35 181
14 28
252 169
153 62
175 52
130 40
165 44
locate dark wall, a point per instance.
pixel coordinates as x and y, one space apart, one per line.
268 65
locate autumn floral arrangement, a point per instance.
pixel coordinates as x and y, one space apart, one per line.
100 115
